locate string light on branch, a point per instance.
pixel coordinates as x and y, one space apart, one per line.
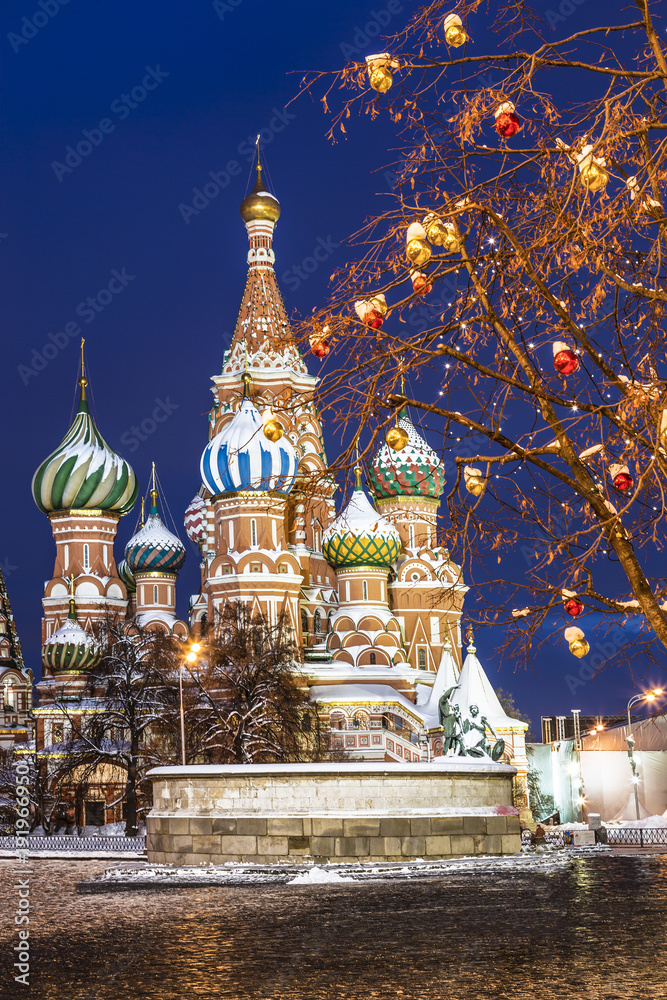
417 249
474 481
507 121
592 169
396 437
420 283
319 343
566 361
621 478
379 68
370 311
455 34
576 641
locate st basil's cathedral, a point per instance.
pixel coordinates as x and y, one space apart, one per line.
374 600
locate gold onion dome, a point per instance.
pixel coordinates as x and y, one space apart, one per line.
84 472
260 203
359 536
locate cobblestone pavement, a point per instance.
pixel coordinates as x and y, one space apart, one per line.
594 928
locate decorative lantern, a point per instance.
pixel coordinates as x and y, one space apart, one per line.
417 249
455 33
573 607
565 360
396 437
371 311
507 121
621 478
379 67
475 482
273 429
576 641
592 169
420 283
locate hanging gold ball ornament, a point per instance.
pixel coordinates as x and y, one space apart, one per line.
451 243
273 430
397 437
455 33
417 249
594 177
435 229
579 648
379 67
475 482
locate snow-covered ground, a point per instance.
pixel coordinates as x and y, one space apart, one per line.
145 875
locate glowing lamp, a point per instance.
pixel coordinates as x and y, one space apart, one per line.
507 121
658 691
195 647
574 607
565 360
455 33
191 657
396 437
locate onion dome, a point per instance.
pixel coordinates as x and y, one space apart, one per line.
359 536
84 472
415 470
240 457
260 203
195 520
71 648
154 548
127 576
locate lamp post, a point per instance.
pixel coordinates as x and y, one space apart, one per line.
190 657
630 740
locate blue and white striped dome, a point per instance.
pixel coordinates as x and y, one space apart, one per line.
240 457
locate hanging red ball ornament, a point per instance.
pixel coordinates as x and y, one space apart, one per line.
420 283
623 481
371 311
320 348
507 121
574 607
565 360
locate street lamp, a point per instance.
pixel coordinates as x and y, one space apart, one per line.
630 740
190 657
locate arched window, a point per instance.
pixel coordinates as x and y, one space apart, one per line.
105 550
231 536
421 657
364 588
86 556
155 594
253 531
411 536
66 557
317 622
373 659
274 534
304 622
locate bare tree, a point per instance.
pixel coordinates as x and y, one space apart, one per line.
248 702
537 308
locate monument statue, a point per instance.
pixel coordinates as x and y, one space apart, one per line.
450 720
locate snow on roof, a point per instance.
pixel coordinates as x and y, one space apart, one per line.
475 689
446 677
354 693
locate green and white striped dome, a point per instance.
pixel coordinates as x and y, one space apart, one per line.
84 472
360 536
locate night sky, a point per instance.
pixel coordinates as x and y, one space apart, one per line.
170 93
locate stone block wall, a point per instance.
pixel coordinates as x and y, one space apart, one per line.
339 812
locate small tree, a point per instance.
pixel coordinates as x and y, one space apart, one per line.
506 699
132 702
248 702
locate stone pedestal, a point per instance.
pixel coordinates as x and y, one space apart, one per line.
291 813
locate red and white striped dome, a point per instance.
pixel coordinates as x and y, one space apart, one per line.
195 520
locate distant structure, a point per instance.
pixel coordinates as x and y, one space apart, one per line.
15 680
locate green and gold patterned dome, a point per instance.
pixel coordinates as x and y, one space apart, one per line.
360 537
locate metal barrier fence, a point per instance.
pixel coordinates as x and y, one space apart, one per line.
55 843
636 836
